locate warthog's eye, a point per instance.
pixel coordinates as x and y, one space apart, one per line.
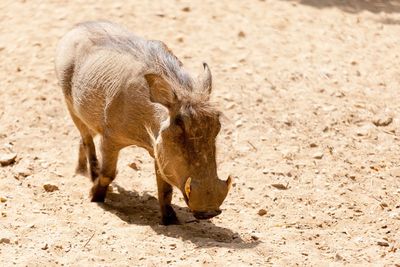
179 121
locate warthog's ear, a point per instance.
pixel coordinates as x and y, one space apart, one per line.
160 90
206 79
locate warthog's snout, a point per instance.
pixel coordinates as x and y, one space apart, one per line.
204 215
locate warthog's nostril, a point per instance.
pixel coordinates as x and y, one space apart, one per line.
203 215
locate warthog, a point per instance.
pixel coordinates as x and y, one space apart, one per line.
132 91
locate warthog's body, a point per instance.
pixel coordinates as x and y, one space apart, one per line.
133 91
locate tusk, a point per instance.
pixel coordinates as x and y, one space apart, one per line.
229 182
187 187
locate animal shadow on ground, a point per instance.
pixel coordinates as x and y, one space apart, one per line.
134 208
355 6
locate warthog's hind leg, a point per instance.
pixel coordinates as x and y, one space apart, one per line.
81 167
87 151
168 215
109 157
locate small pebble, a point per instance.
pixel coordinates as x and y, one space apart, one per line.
22 172
5 241
365 130
262 212
280 186
7 159
50 187
382 120
338 257
383 243
318 155
134 166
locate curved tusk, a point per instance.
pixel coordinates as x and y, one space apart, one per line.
229 182
187 187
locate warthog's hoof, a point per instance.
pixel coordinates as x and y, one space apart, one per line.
168 217
98 193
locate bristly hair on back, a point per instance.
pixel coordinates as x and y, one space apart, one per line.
158 57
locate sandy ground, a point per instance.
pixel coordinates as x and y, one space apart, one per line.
310 93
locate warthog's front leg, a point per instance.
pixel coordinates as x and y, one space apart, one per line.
109 158
168 215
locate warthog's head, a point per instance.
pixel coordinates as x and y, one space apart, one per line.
185 147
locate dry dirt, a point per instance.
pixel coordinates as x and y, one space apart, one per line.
310 90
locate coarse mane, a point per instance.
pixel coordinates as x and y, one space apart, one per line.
197 105
155 55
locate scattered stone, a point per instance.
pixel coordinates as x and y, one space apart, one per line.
239 123
313 145
5 240
280 186
262 212
364 130
318 155
2 199
241 34
254 237
134 166
352 176
234 66
186 9
383 243
338 257
230 105
50 188
180 39
22 172
383 120
7 159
